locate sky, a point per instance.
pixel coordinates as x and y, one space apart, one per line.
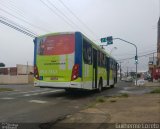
132 20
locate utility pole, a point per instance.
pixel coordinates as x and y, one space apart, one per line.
109 41
136 57
120 70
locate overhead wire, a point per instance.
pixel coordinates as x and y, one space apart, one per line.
17 25
14 8
22 30
134 57
62 16
35 26
56 13
77 18
22 14
124 54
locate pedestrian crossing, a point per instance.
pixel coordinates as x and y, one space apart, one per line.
19 94
44 92
38 101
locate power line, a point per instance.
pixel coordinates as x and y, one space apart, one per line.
14 8
22 14
35 26
17 25
124 54
62 16
20 29
77 17
61 12
138 56
56 13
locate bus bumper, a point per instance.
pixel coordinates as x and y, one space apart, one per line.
61 85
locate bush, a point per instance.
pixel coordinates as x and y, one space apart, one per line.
157 90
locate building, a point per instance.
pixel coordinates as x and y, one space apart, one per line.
21 74
18 70
154 61
158 45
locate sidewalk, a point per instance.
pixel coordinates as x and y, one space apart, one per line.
152 84
119 109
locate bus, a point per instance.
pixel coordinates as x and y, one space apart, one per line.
70 60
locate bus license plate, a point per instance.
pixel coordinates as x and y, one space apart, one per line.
54 78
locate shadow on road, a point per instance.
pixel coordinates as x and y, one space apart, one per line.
76 94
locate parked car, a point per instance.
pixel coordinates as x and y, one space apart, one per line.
129 79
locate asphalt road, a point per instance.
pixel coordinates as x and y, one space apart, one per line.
28 104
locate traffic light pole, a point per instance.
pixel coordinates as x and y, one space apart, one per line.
135 56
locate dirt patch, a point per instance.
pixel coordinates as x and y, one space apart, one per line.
117 109
134 109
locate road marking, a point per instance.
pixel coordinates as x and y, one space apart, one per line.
18 92
6 98
38 101
35 91
52 91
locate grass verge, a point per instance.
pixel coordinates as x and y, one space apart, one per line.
100 99
157 90
125 95
5 89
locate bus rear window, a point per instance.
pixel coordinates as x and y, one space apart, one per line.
56 45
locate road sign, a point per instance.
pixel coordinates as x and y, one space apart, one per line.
103 40
109 40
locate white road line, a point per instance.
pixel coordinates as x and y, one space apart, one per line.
38 101
35 91
52 91
29 91
7 98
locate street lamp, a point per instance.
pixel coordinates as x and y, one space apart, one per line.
136 57
109 41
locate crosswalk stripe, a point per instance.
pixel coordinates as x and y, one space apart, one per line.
29 91
6 98
52 91
38 101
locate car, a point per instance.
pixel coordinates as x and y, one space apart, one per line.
129 79
140 82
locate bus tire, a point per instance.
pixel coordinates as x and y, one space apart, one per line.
100 85
112 86
69 90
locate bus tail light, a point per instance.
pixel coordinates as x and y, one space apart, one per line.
75 72
36 74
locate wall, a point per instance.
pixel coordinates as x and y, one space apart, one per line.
16 79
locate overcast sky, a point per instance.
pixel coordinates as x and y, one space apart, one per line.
132 20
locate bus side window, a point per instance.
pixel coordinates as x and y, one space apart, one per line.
98 58
104 60
111 63
87 52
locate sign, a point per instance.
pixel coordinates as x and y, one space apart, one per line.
103 40
109 40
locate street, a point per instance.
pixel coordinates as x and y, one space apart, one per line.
32 104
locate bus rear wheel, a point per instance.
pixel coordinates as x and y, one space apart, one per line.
112 86
100 85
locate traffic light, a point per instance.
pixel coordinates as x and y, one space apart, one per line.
136 59
109 40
